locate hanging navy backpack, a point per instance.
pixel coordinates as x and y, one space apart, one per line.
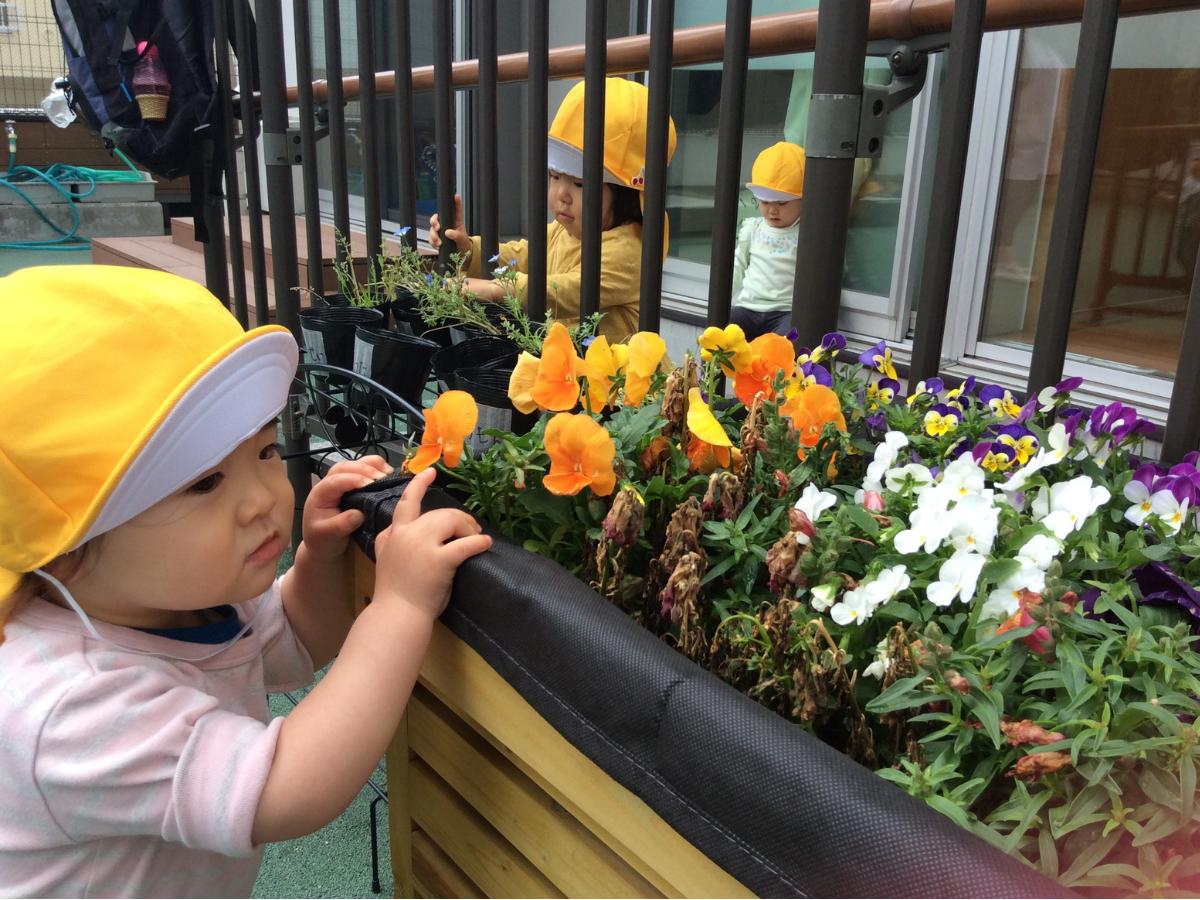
102 38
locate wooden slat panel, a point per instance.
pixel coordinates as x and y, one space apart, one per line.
435 874
463 680
476 847
399 810
576 861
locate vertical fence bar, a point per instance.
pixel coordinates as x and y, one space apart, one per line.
369 132
729 158
595 63
831 146
308 148
1097 34
538 106
337 123
954 132
488 132
443 122
258 264
229 153
1183 416
662 40
283 231
406 154
216 266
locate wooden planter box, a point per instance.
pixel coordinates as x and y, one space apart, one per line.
485 798
552 747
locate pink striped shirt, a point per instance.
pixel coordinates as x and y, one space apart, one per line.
127 775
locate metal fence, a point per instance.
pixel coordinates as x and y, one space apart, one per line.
31 57
845 122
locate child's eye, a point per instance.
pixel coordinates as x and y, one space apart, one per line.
206 485
578 184
271 451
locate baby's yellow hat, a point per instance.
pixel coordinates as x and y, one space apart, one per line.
625 105
120 386
778 173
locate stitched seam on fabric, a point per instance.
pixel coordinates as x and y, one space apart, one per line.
654 776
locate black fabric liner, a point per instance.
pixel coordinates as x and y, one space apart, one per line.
777 809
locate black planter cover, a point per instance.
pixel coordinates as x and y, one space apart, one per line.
328 332
782 812
400 362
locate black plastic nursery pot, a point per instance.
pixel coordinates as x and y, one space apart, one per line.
479 352
489 387
328 332
635 771
399 362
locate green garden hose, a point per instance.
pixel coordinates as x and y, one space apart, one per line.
57 176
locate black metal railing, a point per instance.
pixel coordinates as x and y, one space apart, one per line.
838 133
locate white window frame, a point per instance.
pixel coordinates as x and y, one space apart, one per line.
10 19
685 283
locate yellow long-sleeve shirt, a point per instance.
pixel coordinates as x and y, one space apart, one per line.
620 275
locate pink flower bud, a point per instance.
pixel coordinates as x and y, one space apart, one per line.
872 501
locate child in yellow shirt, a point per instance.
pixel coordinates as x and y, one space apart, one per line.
625 105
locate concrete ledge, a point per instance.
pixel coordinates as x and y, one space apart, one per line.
108 219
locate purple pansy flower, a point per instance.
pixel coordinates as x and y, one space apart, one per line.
816 374
1118 420
834 342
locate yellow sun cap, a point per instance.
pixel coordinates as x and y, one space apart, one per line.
625 107
120 386
778 173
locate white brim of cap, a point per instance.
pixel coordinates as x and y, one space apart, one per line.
765 193
230 403
562 157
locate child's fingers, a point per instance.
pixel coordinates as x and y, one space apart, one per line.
458 212
443 525
461 549
342 524
329 489
409 507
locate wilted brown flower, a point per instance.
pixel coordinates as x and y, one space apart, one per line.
656 453
724 497
624 521
1026 732
683 587
1035 765
957 682
783 566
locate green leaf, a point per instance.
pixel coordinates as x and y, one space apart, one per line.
1047 854
904 694
1163 823
1090 857
863 519
948 808
1187 787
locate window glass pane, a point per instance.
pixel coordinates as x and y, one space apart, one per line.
776 108
1143 223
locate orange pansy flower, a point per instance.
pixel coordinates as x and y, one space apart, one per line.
581 455
521 382
557 385
773 353
447 424
646 350
811 409
602 364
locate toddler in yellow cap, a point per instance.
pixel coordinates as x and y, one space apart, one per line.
764 266
625 104
144 509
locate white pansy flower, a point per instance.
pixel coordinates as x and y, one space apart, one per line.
1066 506
882 664
963 477
927 528
852 608
957 577
822 596
1005 599
814 501
1170 511
1039 551
1052 452
889 583
885 457
975 521
1139 495
915 473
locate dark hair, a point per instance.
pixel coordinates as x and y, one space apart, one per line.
626 205
64 568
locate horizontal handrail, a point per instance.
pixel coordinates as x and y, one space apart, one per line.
769 36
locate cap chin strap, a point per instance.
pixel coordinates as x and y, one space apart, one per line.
87 623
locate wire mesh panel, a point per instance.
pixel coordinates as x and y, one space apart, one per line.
31 57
